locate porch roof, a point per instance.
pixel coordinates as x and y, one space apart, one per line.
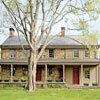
5 61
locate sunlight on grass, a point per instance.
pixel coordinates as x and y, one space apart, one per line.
49 94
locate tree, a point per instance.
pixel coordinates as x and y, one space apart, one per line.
36 18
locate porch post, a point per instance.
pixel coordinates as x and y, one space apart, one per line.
81 74
45 75
97 70
63 72
11 72
99 74
0 71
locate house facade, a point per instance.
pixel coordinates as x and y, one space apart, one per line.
65 62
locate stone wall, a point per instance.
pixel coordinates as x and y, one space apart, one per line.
19 54
5 73
45 54
55 73
5 54
18 73
58 54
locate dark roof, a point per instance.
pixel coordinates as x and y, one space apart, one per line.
60 41
14 41
51 61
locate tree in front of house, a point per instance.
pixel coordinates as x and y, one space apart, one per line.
35 19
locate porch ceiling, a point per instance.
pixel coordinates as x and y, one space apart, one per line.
25 61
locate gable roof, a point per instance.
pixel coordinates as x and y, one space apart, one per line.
60 41
14 41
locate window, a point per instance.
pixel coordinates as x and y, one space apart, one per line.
12 53
87 53
76 53
25 53
51 53
87 73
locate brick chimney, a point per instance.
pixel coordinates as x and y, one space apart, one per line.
62 31
11 32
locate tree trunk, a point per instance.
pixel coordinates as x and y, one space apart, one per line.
32 73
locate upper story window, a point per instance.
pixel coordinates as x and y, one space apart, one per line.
51 53
12 53
76 53
87 73
25 53
87 53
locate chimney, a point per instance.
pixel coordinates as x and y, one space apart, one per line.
11 32
62 31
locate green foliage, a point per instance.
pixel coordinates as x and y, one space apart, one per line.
56 86
49 94
23 78
90 38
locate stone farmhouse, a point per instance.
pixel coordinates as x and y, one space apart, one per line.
65 62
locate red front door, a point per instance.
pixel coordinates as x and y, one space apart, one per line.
75 76
38 74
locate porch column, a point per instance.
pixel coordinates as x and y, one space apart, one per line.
11 72
81 75
0 71
63 72
97 70
45 75
99 74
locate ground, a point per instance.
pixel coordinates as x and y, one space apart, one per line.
49 94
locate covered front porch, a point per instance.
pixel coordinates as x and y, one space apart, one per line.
51 74
16 73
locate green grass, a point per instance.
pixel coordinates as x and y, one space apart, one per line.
49 94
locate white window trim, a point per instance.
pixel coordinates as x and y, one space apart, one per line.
54 53
84 73
73 54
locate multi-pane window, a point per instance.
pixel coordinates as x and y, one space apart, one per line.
25 53
87 53
12 53
51 53
76 53
87 73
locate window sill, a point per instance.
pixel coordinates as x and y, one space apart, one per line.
85 79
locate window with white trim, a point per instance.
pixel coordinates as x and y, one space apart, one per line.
76 52
51 53
86 73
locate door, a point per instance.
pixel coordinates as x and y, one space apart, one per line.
38 74
75 75
61 74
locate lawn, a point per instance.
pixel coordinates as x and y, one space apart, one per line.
49 94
